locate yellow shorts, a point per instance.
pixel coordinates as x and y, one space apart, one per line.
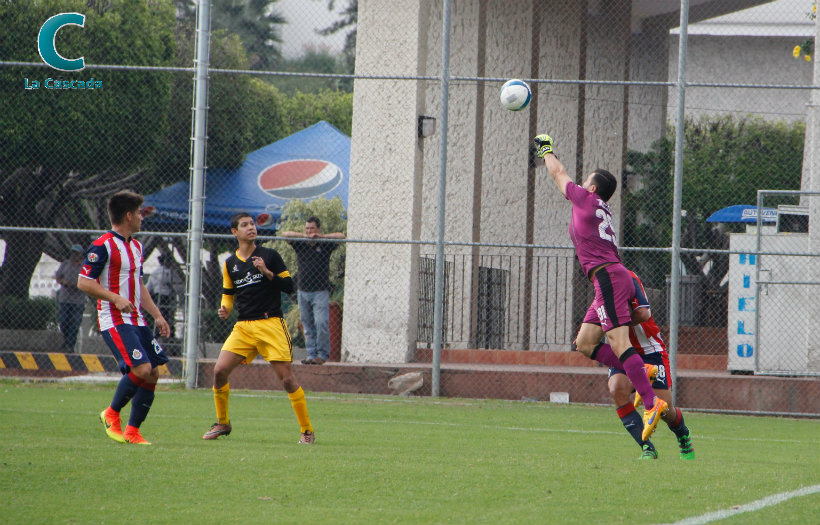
266 337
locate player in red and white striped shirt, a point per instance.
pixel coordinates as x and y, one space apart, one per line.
112 274
645 337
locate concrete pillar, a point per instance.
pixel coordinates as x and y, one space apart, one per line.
647 104
465 156
607 51
491 194
560 49
381 281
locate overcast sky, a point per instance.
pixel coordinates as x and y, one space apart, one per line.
304 17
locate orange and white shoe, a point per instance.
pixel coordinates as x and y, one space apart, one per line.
111 422
652 374
307 438
652 417
132 435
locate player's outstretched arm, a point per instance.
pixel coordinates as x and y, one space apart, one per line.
543 145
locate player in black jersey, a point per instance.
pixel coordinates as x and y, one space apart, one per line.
252 279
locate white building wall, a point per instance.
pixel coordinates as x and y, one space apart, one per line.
739 59
394 175
381 280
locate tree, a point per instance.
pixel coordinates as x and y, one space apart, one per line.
63 151
314 61
726 160
255 22
231 107
304 110
647 211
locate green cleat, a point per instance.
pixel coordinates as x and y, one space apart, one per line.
687 451
649 452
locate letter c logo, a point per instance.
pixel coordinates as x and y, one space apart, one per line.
46 44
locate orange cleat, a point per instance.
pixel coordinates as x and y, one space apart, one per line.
652 417
111 422
132 435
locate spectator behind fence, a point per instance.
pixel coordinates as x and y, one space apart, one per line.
163 285
70 299
313 283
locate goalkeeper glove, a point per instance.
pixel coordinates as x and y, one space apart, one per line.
543 145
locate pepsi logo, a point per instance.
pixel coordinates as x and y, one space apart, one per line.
300 179
264 219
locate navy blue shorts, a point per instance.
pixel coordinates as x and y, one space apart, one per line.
133 346
655 358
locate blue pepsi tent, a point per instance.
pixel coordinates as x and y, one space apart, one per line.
742 213
314 162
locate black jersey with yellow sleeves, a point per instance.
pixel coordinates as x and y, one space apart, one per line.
256 296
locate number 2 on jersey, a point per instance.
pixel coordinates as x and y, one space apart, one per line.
606 222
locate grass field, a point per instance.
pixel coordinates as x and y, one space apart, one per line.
387 460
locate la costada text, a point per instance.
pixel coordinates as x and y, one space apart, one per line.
52 83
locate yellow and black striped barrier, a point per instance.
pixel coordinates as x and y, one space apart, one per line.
68 364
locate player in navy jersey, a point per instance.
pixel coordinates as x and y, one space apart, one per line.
252 279
112 274
646 338
595 243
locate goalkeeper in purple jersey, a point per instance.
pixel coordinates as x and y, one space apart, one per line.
593 236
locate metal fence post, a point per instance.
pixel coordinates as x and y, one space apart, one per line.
197 197
674 314
438 301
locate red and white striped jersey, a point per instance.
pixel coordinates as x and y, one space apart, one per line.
644 337
116 263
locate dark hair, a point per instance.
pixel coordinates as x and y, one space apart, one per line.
121 203
237 217
315 220
605 183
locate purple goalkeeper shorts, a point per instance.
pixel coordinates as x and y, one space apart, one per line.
614 290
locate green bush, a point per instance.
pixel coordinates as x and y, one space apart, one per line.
27 314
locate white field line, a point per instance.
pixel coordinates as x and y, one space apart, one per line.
768 501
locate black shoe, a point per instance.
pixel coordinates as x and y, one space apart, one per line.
308 361
318 361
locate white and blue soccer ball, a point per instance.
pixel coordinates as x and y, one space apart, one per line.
515 95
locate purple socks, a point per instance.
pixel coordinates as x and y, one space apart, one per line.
632 364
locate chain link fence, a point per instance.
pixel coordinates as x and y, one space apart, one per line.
333 111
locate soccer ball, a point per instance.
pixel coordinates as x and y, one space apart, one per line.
515 95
